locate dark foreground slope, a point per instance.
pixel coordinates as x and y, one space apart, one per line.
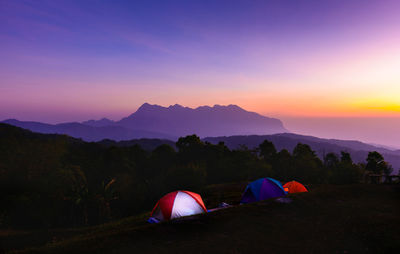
329 219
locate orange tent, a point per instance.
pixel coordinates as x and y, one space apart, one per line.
293 187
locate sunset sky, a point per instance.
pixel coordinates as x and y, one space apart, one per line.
296 60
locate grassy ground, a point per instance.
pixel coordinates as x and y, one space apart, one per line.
328 219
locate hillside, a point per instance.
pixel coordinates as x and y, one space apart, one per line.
328 219
87 132
56 188
24 135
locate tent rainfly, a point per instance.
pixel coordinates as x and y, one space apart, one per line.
294 187
261 189
177 204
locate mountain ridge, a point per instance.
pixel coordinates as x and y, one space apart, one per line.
155 121
203 121
87 132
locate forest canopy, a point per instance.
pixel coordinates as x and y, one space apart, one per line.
56 181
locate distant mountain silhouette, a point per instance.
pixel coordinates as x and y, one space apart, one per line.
86 132
153 121
203 121
357 149
99 123
24 135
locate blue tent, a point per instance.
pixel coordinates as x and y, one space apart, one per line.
261 189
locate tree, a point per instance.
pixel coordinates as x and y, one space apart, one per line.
188 143
308 167
267 151
191 176
376 163
72 187
388 169
345 171
283 166
162 158
190 148
346 157
331 160
104 198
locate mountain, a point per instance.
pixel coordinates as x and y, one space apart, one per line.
153 121
99 123
203 121
87 133
230 124
352 144
358 150
24 135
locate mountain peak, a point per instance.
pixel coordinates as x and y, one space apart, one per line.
233 106
176 106
230 107
145 106
149 107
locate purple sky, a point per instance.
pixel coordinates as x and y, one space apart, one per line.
78 60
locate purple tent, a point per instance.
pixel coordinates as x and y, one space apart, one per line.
261 189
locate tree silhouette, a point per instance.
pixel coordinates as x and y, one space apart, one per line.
190 148
267 151
343 172
331 160
283 165
345 157
308 167
375 163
